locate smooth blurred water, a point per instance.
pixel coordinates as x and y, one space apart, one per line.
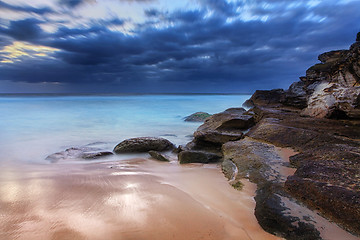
32 127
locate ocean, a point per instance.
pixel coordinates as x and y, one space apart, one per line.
34 126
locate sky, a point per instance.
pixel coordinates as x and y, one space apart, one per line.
167 46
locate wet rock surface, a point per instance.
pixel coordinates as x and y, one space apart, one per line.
197 117
159 156
86 152
327 178
222 127
191 156
143 144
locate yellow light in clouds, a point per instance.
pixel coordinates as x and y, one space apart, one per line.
17 50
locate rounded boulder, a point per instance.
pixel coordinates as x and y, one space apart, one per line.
143 144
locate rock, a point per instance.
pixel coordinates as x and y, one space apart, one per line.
223 127
295 96
358 37
143 144
158 156
229 169
179 149
274 214
85 152
327 176
197 157
265 98
262 164
255 160
197 117
333 86
96 155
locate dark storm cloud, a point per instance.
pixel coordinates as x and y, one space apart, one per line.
222 6
25 30
26 9
194 50
71 3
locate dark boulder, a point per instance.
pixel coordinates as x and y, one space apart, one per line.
197 157
143 144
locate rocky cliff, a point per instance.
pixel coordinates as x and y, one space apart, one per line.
319 118
330 89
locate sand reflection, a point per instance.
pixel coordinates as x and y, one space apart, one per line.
135 199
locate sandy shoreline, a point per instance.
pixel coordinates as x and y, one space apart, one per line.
132 199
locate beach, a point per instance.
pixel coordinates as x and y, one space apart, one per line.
129 199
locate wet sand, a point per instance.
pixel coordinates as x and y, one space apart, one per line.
126 200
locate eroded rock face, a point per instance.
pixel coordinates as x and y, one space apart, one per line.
333 86
330 89
143 144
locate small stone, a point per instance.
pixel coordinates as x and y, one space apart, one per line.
158 156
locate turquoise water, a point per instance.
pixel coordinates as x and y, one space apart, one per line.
32 127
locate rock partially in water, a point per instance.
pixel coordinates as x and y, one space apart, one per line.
143 144
77 153
197 117
158 156
191 156
96 155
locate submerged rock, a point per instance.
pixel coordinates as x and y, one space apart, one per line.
96 155
197 117
191 156
77 153
143 144
158 156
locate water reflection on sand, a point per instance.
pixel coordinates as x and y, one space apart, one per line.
133 199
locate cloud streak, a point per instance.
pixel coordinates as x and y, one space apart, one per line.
216 46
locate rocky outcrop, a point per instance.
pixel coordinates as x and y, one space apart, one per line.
158 156
197 117
221 128
330 89
327 177
143 144
191 156
319 118
333 86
